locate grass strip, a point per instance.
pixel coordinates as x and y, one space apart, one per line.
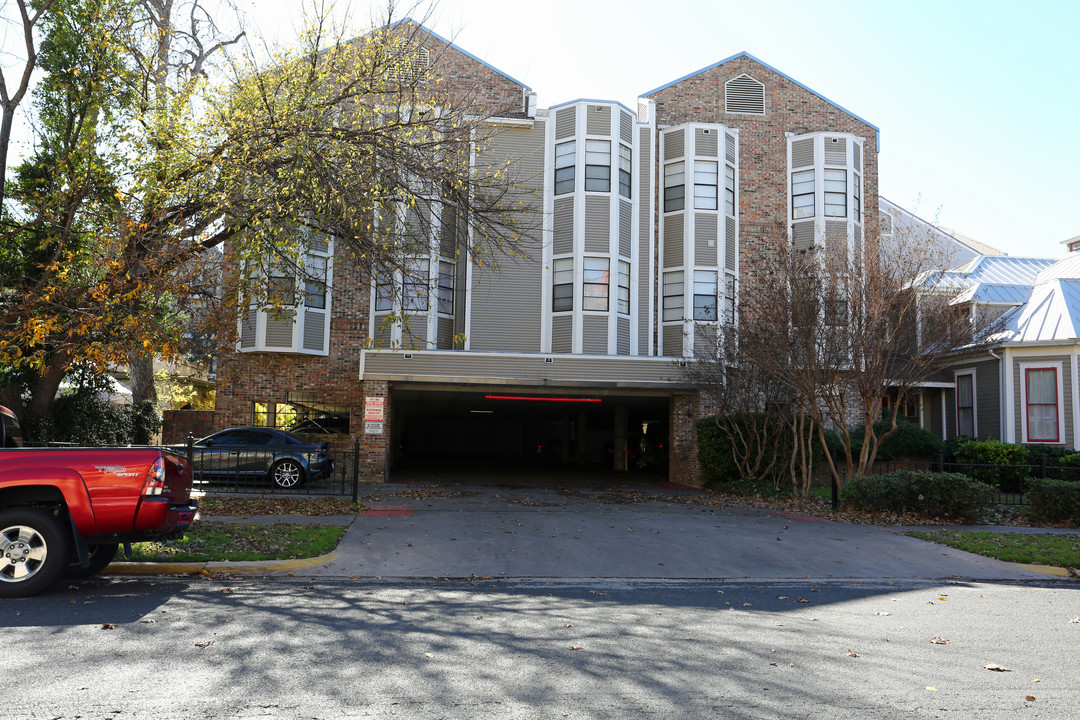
240 542
1033 549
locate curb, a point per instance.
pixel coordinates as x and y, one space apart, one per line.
216 567
1045 569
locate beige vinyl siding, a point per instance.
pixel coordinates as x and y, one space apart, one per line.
279 332
247 328
729 148
673 145
705 228
562 226
836 238
626 218
645 224
706 142
622 336
506 303
597 224
626 127
565 122
594 335
531 369
414 332
731 255
705 341
448 235
802 235
314 330
562 338
598 120
382 331
446 333
1066 385
673 240
987 400
673 340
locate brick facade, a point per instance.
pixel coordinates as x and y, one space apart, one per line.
248 378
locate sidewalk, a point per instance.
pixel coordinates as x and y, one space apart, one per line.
500 531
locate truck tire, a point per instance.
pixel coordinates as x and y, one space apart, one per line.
33 551
101 555
287 473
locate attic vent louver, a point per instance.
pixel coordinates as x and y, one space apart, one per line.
744 94
412 64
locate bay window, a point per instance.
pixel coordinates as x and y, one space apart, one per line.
802 194
705 293
562 295
673 295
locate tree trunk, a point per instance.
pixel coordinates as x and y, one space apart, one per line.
142 379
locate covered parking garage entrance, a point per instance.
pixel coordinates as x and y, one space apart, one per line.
526 431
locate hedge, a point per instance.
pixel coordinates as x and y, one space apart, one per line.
1054 500
929 494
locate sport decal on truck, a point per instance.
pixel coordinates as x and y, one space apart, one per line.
118 470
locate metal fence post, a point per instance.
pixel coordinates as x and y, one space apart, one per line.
1042 467
940 463
356 470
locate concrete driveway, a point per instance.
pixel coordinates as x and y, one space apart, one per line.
630 531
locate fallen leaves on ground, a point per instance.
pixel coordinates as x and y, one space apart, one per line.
250 506
852 653
938 640
430 491
996 668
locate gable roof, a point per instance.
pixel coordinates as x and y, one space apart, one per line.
744 54
466 53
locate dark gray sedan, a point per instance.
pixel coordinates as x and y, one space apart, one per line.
257 452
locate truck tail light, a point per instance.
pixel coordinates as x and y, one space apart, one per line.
155 479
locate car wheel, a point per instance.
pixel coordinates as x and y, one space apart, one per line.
33 551
101 555
287 473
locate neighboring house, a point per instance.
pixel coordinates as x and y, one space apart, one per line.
570 355
1024 387
949 249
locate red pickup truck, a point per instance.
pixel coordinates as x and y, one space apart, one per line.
65 511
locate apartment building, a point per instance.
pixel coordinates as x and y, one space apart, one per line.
569 355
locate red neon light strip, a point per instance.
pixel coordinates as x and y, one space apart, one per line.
542 399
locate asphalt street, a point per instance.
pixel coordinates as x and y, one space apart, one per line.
165 648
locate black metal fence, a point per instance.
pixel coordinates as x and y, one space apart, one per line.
1009 481
275 471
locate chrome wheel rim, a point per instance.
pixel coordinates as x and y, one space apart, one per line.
287 474
22 553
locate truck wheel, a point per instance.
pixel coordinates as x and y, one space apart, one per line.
287 473
33 551
101 555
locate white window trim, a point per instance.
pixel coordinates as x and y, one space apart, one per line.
1024 367
974 402
299 312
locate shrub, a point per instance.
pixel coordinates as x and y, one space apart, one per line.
1054 500
1070 467
716 454
929 494
995 458
909 440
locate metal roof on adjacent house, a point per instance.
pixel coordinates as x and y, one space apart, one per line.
994 294
995 269
1051 314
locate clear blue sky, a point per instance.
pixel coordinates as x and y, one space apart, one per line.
973 99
